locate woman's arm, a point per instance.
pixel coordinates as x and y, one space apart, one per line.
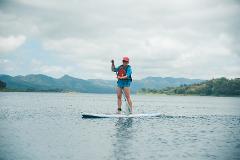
114 69
129 72
113 66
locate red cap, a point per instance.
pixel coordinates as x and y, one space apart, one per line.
126 59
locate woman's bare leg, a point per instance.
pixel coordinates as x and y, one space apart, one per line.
119 97
127 93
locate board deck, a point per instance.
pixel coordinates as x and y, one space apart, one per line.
92 115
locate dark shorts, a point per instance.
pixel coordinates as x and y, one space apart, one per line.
123 83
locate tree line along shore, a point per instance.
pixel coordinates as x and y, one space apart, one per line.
214 87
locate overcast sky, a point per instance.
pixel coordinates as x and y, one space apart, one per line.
189 38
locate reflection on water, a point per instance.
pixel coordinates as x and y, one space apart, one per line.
39 126
124 135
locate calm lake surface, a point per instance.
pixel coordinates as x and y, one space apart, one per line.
48 126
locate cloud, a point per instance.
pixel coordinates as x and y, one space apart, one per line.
195 39
54 70
155 55
7 66
11 43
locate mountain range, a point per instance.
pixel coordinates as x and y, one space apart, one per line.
40 82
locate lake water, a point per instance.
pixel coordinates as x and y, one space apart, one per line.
48 126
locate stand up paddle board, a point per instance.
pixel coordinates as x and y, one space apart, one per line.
90 115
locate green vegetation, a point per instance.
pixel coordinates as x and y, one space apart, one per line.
3 85
214 87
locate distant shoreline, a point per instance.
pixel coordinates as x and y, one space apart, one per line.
45 91
146 94
182 95
220 87
40 82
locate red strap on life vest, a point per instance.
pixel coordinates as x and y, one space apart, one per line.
121 72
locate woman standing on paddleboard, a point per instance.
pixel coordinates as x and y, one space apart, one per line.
124 72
